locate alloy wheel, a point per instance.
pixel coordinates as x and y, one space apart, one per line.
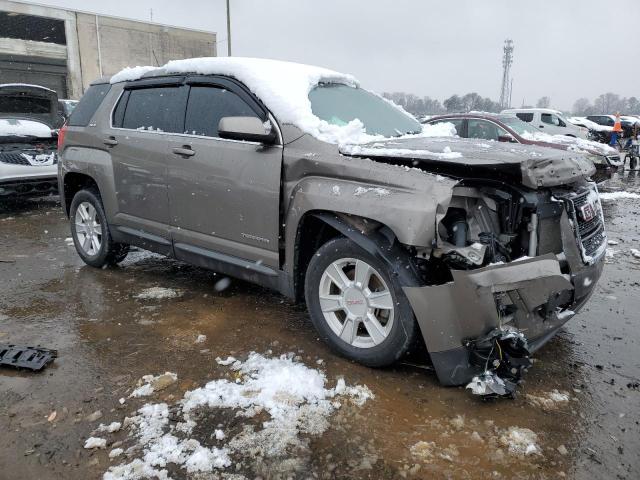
356 302
88 229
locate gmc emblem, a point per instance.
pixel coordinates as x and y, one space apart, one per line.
587 212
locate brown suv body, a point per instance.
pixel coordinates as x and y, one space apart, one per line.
261 209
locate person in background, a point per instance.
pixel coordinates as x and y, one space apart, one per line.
617 131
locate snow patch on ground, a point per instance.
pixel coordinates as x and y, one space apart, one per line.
294 397
619 195
520 441
549 400
95 442
150 384
158 293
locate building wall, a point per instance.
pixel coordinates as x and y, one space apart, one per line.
109 44
98 46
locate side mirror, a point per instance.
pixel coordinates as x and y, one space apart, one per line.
248 129
507 137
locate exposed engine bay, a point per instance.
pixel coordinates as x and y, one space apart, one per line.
505 234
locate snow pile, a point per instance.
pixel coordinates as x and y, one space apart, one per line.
589 124
94 442
293 396
158 293
150 384
576 144
284 88
14 127
619 195
520 441
374 151
111 428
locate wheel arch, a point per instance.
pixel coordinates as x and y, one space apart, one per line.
318 227
72 183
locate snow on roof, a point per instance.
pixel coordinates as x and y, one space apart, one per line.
283 87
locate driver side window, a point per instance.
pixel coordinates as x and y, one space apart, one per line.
551 119
207 105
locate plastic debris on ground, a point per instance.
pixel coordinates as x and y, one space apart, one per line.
504 356
30 358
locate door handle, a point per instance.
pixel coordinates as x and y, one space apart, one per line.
184 151
541 126
110 142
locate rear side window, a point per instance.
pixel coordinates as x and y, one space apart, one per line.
88 105
158 109
207 105
525 117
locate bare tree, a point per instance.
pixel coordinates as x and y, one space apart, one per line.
543 102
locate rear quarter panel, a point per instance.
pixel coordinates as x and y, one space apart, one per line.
84 152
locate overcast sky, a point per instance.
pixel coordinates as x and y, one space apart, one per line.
565 49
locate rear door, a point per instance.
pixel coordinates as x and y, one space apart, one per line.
142 121
224 195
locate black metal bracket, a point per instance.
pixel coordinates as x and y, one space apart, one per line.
32 358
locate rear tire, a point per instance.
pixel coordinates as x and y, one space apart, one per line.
90 231
367 318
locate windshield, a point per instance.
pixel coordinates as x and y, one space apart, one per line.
517 125
340 104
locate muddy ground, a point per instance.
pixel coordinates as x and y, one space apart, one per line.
107 338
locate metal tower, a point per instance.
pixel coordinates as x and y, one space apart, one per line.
507 61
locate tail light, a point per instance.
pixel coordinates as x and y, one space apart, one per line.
61 135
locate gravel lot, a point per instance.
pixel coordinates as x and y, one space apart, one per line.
581 401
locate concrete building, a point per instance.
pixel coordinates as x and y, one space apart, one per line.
66 50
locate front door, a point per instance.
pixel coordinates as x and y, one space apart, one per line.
224 195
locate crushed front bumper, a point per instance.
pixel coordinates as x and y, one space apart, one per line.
534 296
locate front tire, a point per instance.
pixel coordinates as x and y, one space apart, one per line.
90 231
357 305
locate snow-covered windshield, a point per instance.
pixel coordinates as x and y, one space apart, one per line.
517 125
340 104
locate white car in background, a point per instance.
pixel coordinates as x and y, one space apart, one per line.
549 121
28 141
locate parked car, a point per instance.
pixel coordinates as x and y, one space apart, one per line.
597 133
550 121
28 142
609 120
509 128
296 178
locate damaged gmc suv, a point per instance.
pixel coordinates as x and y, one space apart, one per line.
295 178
